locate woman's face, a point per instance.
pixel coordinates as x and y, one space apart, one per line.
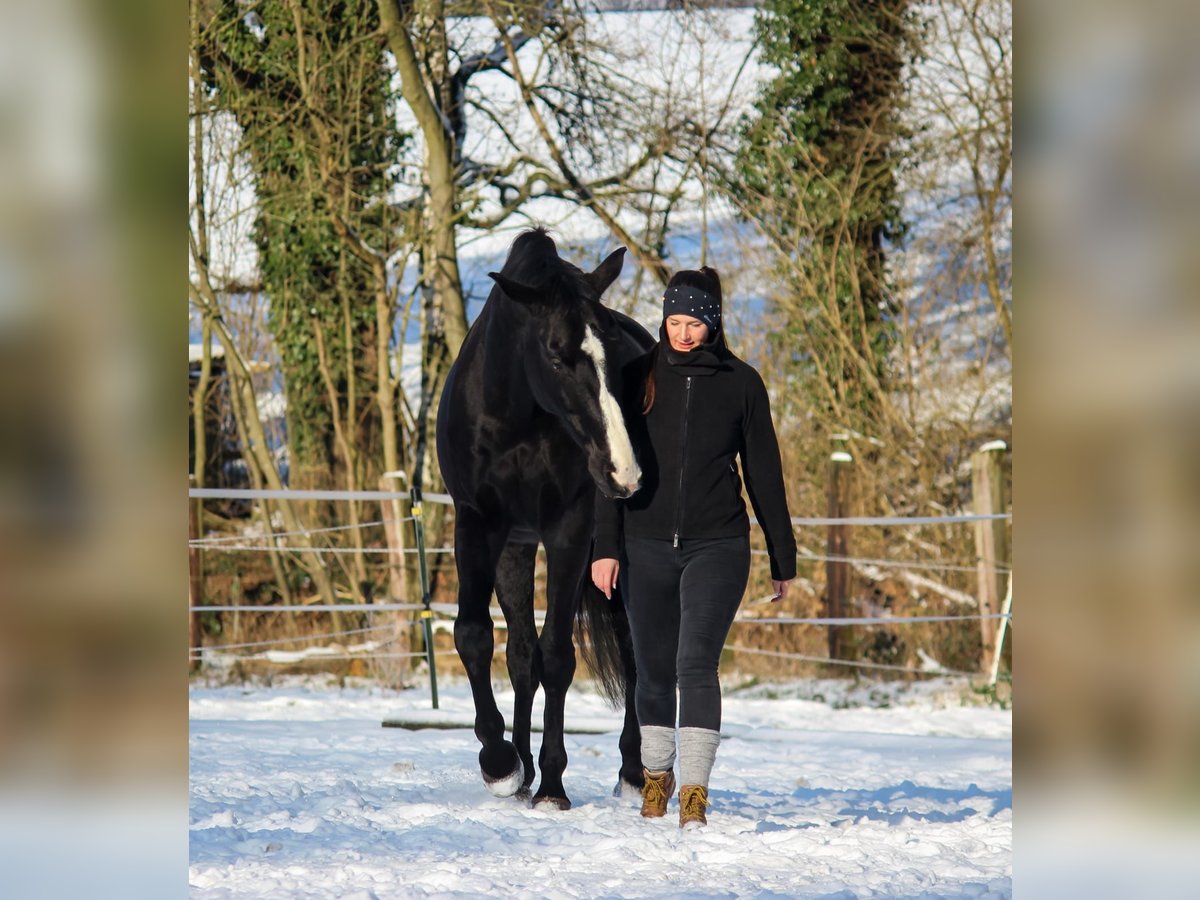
684 332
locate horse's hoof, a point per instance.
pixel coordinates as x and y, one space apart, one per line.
502 769
625 789
551 804
507 785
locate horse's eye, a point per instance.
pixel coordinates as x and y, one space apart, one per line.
557 364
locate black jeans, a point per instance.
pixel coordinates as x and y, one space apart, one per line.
681 603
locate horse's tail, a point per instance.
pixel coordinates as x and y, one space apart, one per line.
602 630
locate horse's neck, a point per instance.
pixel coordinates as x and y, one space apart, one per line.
505 385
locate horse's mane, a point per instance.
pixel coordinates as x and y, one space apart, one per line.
533 258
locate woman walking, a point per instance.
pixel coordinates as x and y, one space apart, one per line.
684 537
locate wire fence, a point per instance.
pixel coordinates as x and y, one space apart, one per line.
219 540
339 652
373 650
398 551
230 543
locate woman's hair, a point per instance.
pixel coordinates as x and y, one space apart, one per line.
706 279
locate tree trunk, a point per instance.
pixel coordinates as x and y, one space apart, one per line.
442 201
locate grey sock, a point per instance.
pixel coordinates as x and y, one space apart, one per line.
697 751
658 748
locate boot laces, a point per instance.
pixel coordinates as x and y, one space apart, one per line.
694 803
656 788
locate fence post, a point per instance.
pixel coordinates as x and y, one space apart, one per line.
393 517
195 578
426 613
837 543
987 488
1005 611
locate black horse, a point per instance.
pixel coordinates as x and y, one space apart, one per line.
528 427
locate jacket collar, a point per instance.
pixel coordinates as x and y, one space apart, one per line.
706 359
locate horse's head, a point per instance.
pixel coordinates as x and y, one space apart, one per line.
570 352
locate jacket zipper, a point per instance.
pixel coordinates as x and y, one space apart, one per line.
687 401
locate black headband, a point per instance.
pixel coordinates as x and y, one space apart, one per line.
685 300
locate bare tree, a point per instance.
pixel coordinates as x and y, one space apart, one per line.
962 93
615 123
424 67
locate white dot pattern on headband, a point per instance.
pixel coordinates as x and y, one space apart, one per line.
710 313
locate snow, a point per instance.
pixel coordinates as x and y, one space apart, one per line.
820 790
272 405
196 352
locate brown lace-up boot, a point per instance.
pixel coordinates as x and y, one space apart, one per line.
656 792
693 801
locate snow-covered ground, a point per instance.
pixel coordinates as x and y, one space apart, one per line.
819 791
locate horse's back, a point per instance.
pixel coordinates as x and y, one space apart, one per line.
636 340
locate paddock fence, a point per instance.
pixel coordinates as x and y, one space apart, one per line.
992 609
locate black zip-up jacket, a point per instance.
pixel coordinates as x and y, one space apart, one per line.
709 408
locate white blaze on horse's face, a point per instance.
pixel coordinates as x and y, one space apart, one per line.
626 472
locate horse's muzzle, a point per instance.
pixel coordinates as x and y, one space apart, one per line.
622 489
613 479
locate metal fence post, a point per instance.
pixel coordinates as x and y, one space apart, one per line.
195 581
837 548
426 613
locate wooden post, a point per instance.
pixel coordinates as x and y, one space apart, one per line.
393 529
392 521
837 544
1005 610
991 544
195 579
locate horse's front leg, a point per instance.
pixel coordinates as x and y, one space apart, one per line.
555 664
514 590
476 552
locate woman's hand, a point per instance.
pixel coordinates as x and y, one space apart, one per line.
604 575
781 588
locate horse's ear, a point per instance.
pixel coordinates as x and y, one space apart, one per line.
522 293
606 273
